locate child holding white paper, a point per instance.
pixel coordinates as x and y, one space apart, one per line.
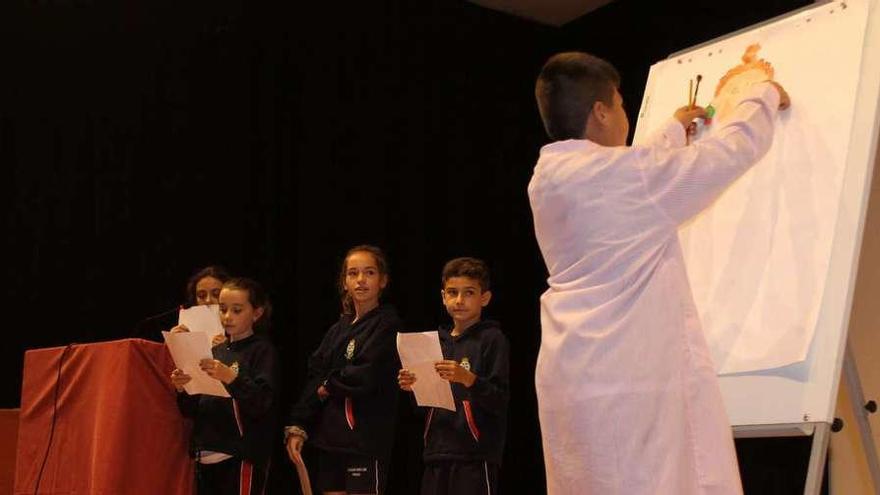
464 448
349 404
232 437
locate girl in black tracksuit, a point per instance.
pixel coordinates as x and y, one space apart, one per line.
348 406
232 437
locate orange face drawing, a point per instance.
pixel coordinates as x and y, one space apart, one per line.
737 80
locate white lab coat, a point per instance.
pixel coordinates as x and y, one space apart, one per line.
628 397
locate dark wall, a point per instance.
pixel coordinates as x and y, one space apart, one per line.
142 139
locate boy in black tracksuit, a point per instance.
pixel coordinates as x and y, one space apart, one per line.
464 449
232 436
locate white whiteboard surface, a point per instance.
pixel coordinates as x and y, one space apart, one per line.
805 391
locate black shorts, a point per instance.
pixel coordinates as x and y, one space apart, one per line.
460 478
231 477
350 473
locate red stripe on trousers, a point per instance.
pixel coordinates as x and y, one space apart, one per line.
247 472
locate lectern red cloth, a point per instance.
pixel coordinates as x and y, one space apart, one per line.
117 426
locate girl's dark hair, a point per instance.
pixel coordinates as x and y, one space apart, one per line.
381 264
212 271
257 296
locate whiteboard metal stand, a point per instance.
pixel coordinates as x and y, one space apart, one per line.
821 432
861 411
818 453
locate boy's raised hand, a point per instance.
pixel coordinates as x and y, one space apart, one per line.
406 379
450 370
686 114
784 99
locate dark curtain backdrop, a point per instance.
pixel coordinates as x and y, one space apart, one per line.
143 139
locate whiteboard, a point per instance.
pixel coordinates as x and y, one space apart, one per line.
781 267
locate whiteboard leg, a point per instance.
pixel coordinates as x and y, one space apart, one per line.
857 398
817 459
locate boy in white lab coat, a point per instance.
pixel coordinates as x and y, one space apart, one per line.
628 398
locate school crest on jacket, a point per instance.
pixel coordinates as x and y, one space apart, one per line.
349 350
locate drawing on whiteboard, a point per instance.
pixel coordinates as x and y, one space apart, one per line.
737 80
771 262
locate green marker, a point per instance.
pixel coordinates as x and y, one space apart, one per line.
710 112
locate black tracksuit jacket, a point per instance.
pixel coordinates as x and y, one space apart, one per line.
358 366
245 425
478 427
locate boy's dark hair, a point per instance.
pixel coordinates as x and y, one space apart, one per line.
212 271
257 296
381 264
466 267
569 85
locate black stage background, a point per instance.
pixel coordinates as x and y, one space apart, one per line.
142 139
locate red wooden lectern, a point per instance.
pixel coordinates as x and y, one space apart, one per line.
117 427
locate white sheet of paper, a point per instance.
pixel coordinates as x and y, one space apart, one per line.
418 353
202 319
187 349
